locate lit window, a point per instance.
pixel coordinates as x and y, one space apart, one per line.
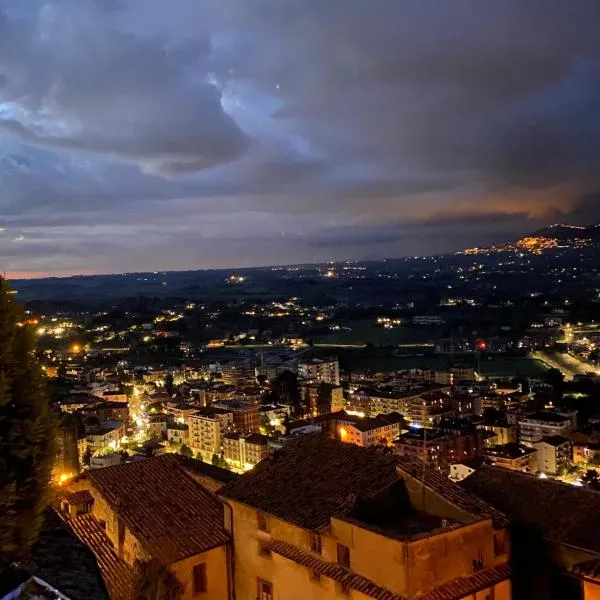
265 590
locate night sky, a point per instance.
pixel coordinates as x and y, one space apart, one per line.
183 134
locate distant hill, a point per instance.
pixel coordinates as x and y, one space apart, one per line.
565 233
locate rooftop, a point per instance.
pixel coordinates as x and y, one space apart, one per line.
555 440
314 478
510 450
547 416
170 526
570 515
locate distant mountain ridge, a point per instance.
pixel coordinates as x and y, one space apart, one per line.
564 232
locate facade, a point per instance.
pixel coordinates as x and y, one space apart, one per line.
325 370
246 416
235 371
108 435
125 513
534 427
307 533
206 430
177 433
243 452
371 431
586 452
430 446
515 457
554 455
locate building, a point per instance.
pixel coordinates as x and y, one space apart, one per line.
586 452
555 547
370 431
151 509
177 433
106 436
319 398
326 520
430 446
235 371
544 423
465 441
505 432
246 416
156 426
515 457
325 370
243 452
554 455
206 430
425 410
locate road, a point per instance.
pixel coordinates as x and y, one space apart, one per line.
567 364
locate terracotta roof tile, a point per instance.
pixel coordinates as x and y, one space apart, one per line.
118 576
465 587
570 515
333 571
452 492
456 589
312 478
78 498
171 515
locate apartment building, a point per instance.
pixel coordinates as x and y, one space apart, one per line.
206 430
243 452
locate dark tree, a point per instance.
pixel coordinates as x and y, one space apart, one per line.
87 457
169 384
155 581
556 379
592 479
284 390
185 450
27 434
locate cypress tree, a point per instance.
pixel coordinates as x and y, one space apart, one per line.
27 434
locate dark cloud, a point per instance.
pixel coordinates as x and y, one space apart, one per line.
288 130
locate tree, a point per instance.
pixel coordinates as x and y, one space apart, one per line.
27 434
185 450
217 461
284 389
169 384
87 457
556 379
155 581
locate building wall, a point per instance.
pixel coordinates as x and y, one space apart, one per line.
591 590
216 575
406 569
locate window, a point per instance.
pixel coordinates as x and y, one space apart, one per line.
199 575
343 555
315 543
499 544
262 522
263 550
265 590
315 576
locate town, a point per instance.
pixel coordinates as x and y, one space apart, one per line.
254 406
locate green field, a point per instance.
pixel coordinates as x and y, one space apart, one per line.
387 359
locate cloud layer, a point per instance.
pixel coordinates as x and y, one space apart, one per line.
138 135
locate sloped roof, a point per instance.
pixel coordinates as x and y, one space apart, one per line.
171 515
314 477
559 512
452 492
62 560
